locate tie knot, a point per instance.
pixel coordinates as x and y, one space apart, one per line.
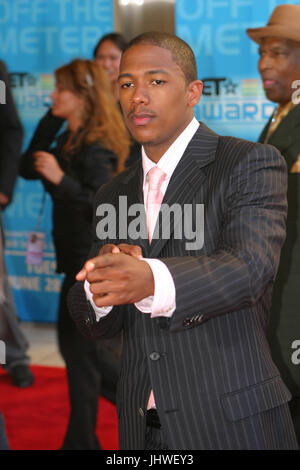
156 177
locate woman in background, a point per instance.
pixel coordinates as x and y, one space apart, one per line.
107 53
93 148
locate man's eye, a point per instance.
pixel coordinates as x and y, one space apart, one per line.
277 53
126 85
158 82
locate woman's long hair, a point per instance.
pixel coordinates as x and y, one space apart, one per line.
101 119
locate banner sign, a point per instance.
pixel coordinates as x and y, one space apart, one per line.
36 37
233 101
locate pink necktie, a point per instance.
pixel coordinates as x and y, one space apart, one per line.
154 198
155 177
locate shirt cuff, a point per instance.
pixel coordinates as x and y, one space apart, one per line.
163 303
100 312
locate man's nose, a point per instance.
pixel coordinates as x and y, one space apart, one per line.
140 95
265 62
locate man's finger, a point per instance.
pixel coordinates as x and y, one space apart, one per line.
132 250
100 261
109 248
107 286
106 300
103 274
88 267
81 275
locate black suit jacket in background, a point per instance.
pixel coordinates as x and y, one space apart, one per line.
11 134
214 381
284 327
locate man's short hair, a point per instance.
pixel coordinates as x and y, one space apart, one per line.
181 52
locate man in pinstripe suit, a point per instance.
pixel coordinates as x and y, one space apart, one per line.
194 321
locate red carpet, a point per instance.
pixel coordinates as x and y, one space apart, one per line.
36 417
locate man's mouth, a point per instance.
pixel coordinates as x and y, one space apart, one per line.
141 119
268 83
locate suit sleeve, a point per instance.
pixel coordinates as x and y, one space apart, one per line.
84 316
98 167
11 134
42 139
80 308
246 258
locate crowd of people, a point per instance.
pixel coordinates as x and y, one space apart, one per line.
222 316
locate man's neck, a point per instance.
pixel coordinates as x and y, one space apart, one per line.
156 152
170 159
287 105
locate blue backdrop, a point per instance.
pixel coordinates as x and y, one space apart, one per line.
37 36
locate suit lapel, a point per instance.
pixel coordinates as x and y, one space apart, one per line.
133 190
263 135
284 135
188 176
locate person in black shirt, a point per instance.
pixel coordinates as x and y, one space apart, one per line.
91 150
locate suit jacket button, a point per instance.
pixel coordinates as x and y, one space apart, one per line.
154 356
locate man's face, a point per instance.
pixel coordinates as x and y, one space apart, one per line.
156 101
279 66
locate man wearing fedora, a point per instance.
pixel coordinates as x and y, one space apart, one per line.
279 67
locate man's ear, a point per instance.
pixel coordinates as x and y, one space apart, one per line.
194 90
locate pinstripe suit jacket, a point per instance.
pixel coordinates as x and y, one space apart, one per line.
214 381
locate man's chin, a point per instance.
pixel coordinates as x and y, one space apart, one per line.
272 96
141 136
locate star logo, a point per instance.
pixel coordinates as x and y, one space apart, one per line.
230 87
31 80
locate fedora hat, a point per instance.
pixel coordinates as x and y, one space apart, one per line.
283 23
